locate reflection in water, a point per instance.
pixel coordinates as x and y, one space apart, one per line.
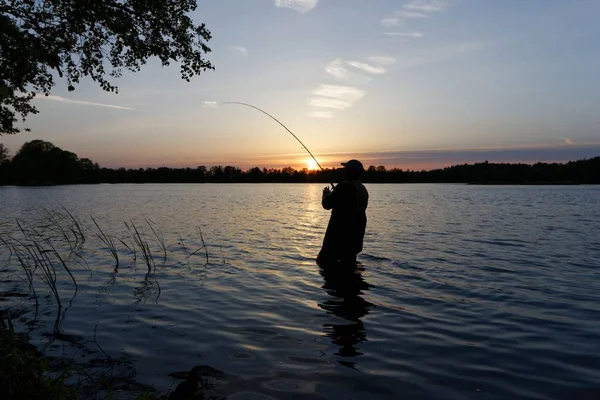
345 285
196 383
147 287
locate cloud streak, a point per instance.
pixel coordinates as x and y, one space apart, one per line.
327 98
371 69
335 97
414 9
210 104
336 69
390 22
426 5
409 14
339 92
568 141
241 49
404 34
302 6
399 18
86 103
324 102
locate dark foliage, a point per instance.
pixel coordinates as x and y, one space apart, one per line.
4 154
96 39
24 371
39 163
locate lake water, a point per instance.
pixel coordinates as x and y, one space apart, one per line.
465 292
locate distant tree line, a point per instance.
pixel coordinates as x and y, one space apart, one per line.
42 163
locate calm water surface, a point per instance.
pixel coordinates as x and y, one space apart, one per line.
465 292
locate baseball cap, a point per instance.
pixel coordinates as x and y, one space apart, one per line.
354 165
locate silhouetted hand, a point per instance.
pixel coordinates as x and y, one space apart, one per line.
326 191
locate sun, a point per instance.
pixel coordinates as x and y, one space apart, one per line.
311 164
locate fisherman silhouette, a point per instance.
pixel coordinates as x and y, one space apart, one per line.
346 229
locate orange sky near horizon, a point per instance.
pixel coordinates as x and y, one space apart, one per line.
406 160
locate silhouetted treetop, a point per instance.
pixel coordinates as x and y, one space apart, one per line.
39 162
4 154
74 39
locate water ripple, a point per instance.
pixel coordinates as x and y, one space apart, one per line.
465 292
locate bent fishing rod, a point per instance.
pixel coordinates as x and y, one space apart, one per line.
286 128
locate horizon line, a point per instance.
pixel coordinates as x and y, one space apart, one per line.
245 169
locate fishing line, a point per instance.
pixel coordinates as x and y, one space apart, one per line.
280 123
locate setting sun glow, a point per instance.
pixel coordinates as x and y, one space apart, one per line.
311 164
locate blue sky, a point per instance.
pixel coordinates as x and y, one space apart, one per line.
412 84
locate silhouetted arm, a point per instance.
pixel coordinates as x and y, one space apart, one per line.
334 198
328 199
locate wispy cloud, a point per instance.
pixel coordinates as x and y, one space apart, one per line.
241 49
382 60
302 6
399 18
210 104
347 93
86 103
340 97
414 9
404 34
427 5
391 22
336 69
568 141
372 69
409 14
324 102
333 97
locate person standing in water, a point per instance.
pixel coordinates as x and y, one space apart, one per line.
347 224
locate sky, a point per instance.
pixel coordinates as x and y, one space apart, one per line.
413 84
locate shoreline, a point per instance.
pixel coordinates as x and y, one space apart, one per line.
483 183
